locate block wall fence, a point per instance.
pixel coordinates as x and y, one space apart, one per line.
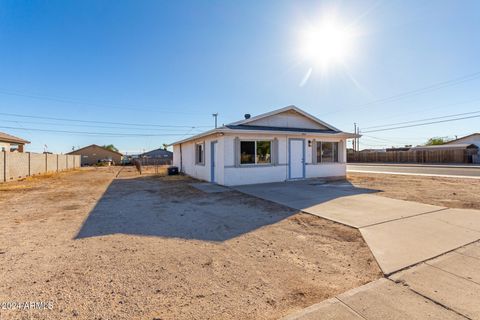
17 165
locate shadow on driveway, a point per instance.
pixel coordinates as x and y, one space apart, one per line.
303 194
169 207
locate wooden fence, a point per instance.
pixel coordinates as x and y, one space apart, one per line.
415 156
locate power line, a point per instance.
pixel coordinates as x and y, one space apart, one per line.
91 126
422 124
99 122
110 134
425 119
87 103
422 90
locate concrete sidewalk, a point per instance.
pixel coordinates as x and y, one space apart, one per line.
447 287
399 233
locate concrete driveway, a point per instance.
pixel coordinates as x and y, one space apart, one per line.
442 288
399 233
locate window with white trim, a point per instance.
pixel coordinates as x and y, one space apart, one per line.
200 153
256 152
327 152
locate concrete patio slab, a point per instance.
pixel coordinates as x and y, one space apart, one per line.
443 287
458 264
367 209
472 250
385 300
399 233
465 218
402 243
338 201
331 309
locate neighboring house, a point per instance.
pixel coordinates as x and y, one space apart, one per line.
458 146
158 156
12 143
473 138
281 145
457 153
94 154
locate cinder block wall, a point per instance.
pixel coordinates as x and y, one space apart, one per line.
2 166
51 163
62 162
18 165
37 163
15 165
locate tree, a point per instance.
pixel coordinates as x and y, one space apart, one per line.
110 147
435 141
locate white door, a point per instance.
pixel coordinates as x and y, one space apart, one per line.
214 166
296 157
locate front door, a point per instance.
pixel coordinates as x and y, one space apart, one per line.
296 163
214 155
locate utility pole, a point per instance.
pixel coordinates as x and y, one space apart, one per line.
355 138
215 115
358 139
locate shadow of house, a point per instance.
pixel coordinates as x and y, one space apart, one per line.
303 194
149 206
154 207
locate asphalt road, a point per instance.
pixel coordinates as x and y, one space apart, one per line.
427 170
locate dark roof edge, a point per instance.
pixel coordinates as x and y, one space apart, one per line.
95 145
269 128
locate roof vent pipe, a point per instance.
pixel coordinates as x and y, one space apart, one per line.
247 115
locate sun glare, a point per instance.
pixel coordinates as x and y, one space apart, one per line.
326 44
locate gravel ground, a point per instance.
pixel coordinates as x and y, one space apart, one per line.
150 247
447 192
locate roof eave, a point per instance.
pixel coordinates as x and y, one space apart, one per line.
339 134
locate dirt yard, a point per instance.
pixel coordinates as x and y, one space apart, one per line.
154 247
448 192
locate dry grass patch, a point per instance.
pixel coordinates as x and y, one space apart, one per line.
154 247
448 192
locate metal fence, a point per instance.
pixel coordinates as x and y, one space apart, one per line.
415 156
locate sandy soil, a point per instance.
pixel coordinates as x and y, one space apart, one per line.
447 192
153 247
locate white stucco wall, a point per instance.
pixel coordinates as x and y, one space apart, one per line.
249 174
474 139
228 174
201 172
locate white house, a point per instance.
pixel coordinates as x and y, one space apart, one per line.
284 144
473 138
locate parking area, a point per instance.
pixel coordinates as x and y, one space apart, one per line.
103 244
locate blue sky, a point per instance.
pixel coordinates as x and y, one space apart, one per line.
174 63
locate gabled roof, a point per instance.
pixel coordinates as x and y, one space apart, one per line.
157 151
12 139
245 125
281 110
459 139
446 147
97 146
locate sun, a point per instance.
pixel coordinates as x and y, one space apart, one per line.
326 44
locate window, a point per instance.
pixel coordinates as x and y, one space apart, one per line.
200 153
255 152
327 152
